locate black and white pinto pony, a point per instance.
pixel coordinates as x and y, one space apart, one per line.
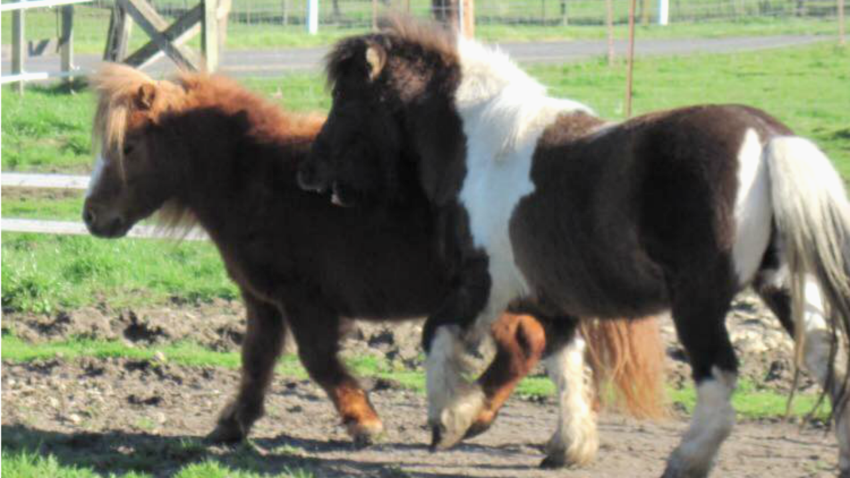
545 207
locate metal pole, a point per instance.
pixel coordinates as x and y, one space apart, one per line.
631 58
18 51
312 17
609 22
66 41
460 17
663 12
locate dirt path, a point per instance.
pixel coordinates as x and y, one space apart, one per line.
120 414
113 413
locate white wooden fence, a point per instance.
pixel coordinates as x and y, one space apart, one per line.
62 181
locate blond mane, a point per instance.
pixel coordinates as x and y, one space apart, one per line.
118 86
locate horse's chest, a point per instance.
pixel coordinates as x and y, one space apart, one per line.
490 193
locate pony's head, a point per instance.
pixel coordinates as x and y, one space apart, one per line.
132 176
376 80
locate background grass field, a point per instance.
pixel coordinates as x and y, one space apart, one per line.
48 130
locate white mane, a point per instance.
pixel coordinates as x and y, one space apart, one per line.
496 96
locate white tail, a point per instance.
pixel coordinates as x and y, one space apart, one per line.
812 217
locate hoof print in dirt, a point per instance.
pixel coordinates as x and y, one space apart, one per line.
142 331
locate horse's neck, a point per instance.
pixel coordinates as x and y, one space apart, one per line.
225 188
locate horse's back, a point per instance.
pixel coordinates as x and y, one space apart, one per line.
618 210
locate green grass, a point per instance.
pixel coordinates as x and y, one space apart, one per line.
65 207
805 87
23 462
498 21
749 400
44 273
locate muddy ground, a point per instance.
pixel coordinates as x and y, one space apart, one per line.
120 414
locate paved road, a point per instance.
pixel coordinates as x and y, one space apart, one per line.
275 62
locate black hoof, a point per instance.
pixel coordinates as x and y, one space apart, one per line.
477 429
550 463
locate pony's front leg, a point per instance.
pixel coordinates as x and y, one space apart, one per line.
260 350
453 402
520 342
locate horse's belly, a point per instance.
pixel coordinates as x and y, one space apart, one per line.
585 278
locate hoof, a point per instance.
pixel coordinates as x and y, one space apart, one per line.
365 434
442 438
477 428
678 472
227 432
552 463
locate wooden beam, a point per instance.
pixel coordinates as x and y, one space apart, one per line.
27 4
178 33
154 25
209 34
468 18
18 52
118 36
66 41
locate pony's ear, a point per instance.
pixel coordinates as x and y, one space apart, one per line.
376 57
145 96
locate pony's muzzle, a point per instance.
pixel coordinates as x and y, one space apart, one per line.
102 223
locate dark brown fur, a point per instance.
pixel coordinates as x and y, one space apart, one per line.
205 151
624 220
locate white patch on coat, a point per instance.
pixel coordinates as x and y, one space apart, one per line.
504 111
453 403
753 212
97 172
711 423
575 440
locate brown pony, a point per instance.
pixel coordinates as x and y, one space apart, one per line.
549 208
203 151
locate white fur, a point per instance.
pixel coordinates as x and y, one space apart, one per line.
575 441
812 217
752 209
504 112
816 355
97 172
452 402
711 423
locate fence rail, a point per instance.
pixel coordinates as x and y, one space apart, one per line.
65 181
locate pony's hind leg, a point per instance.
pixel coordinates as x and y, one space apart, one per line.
575 440
817 346
699 312
520 342
260 350
317 333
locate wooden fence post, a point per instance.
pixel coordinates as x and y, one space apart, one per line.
209 34
18 51
118 36
631 58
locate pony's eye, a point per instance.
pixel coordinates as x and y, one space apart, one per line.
128 148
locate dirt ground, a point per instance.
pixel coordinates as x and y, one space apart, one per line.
120 414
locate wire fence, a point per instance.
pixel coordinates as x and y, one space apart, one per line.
282 23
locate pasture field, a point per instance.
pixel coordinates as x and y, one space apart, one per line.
71 303
255 34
